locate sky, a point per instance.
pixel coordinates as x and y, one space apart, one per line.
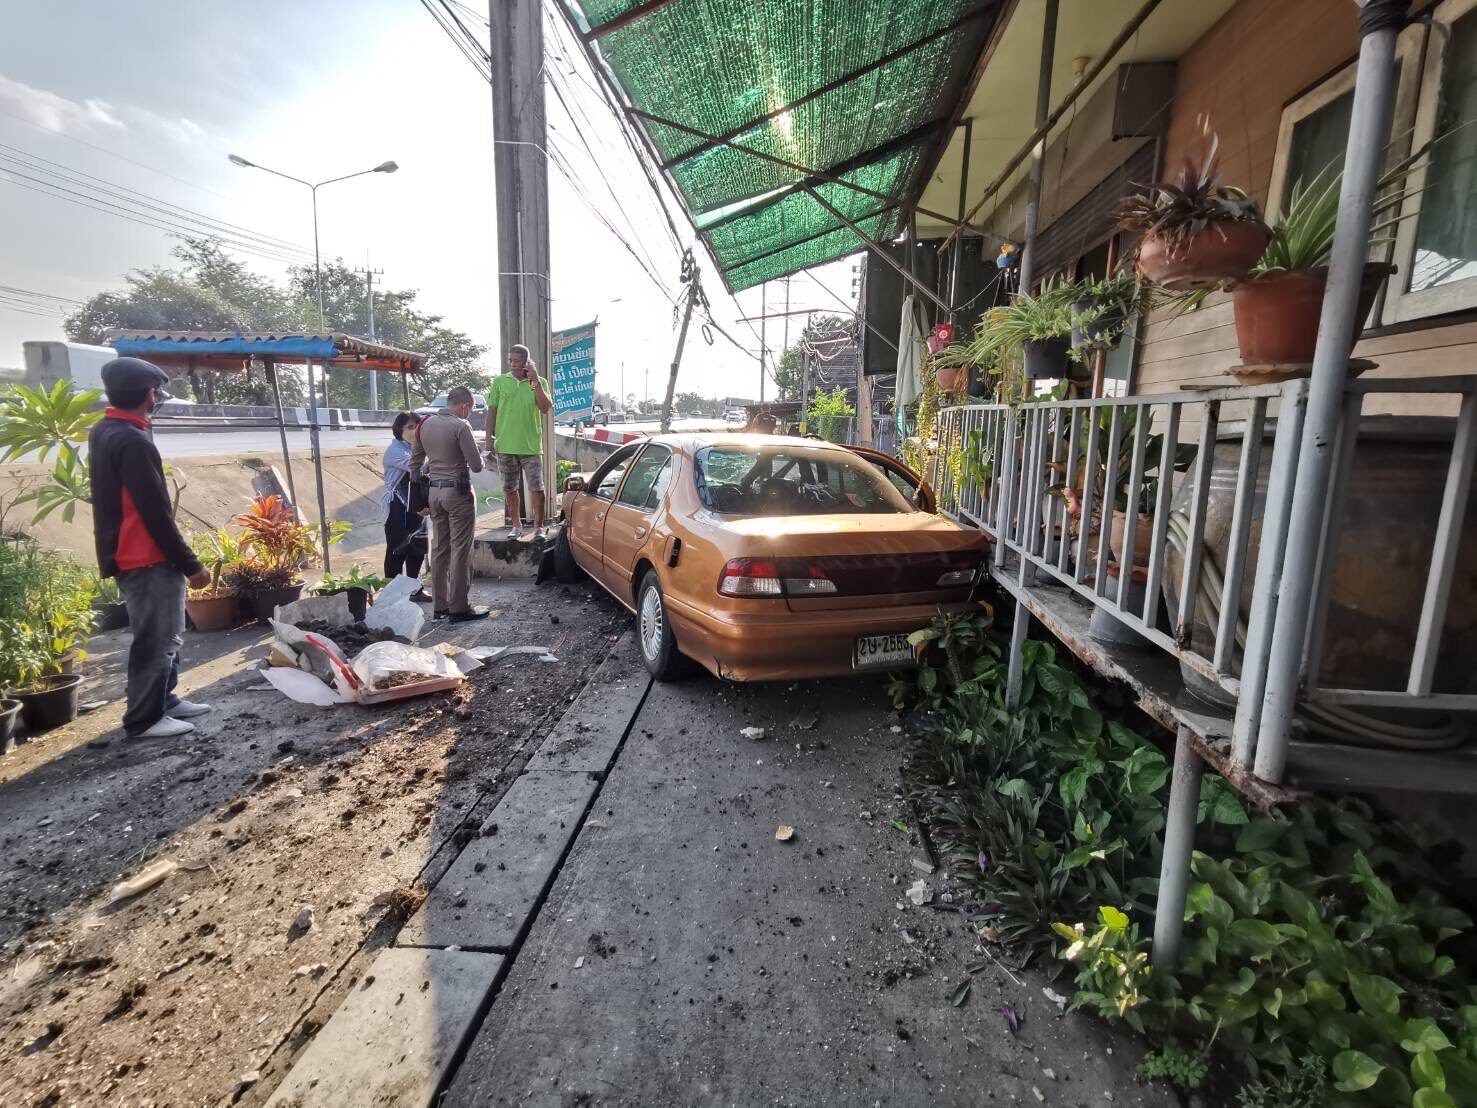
152 98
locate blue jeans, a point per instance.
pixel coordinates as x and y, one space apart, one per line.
155 596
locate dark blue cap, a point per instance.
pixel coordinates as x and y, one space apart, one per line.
133 374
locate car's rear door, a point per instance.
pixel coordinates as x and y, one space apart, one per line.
630 523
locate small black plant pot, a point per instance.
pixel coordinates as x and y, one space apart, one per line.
266 601
1103 333
10 711
51 705
111 617
358 601
1047 358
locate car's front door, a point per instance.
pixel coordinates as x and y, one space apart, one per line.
588 510
633 515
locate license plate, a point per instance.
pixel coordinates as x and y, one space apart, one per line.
882 650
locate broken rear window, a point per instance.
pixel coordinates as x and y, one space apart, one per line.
793 481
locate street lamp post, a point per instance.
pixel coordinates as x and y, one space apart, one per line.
383 167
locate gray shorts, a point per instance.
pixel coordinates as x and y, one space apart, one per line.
530 465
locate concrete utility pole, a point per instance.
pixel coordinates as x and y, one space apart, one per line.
522 189
374 378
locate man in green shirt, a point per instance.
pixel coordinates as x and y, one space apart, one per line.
515 410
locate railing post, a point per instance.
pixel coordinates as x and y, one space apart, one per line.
1179 843
1369 129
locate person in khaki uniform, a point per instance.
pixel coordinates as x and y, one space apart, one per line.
446 454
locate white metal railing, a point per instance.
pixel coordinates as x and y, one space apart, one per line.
1046 480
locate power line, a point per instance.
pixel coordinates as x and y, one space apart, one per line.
10 290
142 204
142 219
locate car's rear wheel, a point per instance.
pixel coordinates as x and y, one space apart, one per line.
654 632
566 569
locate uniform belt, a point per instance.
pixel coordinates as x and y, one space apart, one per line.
447 484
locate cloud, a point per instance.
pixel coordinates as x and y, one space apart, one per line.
91 117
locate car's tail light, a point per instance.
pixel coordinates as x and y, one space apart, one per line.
962 573
814 583
751 577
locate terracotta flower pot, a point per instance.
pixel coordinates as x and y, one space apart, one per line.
1222 252
1277 314
951 378
1143 537
213 613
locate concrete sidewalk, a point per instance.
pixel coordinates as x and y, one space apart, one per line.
685 956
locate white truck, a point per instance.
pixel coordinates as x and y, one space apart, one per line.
50 362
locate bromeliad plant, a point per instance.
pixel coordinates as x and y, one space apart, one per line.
1197 232
275 546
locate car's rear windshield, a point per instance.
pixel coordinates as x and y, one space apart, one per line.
793 481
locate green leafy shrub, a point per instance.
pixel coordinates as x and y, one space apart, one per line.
1179 1067
830 415
45 611
1323 935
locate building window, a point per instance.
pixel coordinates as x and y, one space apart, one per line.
1436 244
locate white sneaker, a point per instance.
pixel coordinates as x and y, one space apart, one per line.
539 535
515 532
189 709
167 728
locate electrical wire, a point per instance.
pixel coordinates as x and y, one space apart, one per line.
70 175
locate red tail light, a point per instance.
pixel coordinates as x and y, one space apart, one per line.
756 577
751 577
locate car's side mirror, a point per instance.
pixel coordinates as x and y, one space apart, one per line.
575 483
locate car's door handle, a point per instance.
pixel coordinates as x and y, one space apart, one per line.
641 532
600 517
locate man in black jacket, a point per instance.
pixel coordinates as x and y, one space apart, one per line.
138 543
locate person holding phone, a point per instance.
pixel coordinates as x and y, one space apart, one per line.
515 437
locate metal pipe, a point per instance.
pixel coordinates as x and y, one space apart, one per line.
1038 151
1268 572
282 430
963 199
1338 327
1179 843
881 253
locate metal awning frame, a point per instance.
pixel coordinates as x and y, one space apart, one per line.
908 203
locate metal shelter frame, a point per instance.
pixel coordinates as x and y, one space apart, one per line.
234 351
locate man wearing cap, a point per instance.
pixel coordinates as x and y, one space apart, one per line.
446 453
138 543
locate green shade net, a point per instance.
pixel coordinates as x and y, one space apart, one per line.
720 66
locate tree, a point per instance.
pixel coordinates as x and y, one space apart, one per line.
696 404
452 358
790 368
211 291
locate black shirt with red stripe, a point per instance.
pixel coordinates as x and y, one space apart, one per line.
132 520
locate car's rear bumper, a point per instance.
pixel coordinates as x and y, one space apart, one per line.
776 644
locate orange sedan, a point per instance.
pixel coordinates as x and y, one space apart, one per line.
766 558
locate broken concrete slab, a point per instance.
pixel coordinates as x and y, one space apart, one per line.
587 736
394 1036
496 555
487 897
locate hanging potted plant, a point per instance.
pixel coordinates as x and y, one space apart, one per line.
1036 330
1278 307
1101 308
359 587
1197 232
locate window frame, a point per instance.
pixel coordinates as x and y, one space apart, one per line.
608 464
1401 303
644 507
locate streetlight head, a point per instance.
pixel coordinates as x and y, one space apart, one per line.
237 159
386 167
